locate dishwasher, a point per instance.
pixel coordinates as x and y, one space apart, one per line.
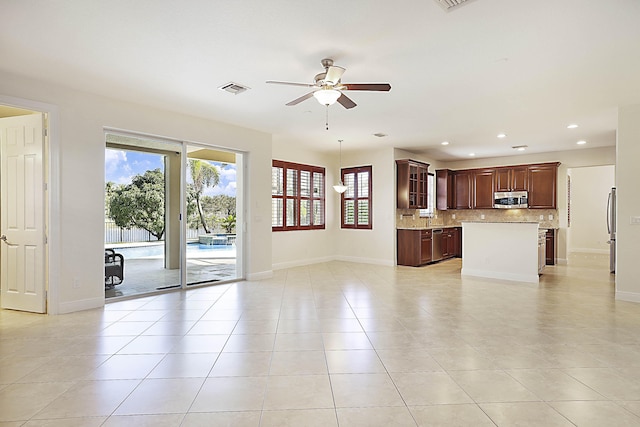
436 242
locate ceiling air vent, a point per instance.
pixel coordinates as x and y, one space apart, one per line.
233 88
450 4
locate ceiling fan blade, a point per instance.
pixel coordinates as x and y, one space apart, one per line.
334 73
299 100
290 83
346 102
383 87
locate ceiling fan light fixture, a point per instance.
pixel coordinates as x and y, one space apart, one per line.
327 96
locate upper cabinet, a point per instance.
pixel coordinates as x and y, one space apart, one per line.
514 178
542 185
463 190
483 183
412 184
445 195
474 188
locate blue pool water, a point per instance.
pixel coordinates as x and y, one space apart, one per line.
194 250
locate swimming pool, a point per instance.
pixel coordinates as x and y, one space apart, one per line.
194 250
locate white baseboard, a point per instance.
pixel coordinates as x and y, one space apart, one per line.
527 278
627 296
260 275
561 261
589 251
359 260
81 305
300 263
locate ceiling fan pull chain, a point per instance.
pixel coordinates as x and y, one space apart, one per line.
327 117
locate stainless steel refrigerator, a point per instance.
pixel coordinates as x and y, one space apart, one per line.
611 228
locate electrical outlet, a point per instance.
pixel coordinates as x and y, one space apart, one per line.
453 216
482 216
550 217
76 283
541 217
635 220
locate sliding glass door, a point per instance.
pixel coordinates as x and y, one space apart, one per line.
211 235
149 184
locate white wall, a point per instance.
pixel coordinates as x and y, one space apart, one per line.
628 196
302 247
375 246
79 139
590 188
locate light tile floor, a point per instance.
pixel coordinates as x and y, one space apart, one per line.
336 344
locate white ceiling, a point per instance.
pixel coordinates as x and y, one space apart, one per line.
526 68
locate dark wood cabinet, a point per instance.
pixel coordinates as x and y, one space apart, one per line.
542 185
463 190
551 247
483 184
412 184
457 241
513 178
414 247
426 246
445 195
474 188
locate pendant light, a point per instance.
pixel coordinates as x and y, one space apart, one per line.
340 187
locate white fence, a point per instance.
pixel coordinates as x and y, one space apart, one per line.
115 234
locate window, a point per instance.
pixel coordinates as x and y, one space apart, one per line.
297 196
356 201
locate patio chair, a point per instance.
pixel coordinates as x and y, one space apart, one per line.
113 268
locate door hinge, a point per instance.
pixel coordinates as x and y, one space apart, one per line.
46 132
46 240
46 187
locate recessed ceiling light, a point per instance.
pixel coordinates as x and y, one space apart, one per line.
581 142
572 126
502 135
520 147
445 143
472 154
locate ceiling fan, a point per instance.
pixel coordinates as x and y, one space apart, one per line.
329 87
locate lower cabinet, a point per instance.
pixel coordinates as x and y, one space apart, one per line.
415 246
551 247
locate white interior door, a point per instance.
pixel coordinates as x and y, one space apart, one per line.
22 220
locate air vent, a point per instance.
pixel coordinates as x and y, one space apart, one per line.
451 4
233 88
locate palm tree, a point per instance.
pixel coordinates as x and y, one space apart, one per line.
203 175
228 223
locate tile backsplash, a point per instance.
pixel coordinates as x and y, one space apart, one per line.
410 218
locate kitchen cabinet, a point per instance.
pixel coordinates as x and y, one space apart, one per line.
463 190
483 184
513 178
445 195
457 241
542 185
412 184
446 244
414 247
551 247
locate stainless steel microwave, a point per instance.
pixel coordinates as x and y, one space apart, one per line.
511 200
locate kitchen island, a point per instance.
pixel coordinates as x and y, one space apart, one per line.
500 250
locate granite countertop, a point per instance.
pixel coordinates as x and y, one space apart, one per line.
431 227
